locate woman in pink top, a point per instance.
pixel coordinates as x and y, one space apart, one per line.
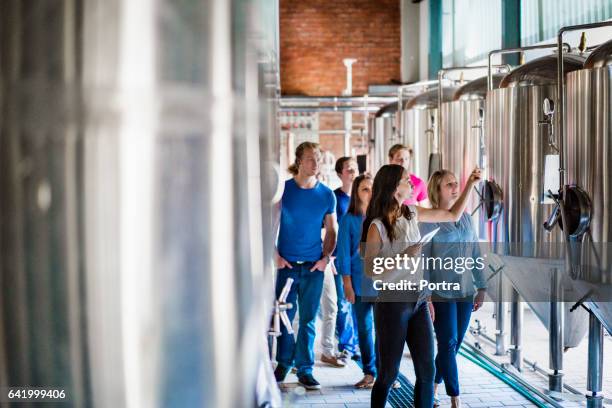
400 154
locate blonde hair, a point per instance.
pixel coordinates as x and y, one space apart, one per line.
433 186
299 153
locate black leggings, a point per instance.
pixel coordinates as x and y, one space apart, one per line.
396 323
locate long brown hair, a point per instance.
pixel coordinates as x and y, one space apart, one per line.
433 186
383 205
299 152
355 204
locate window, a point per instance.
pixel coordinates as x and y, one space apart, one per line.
470 29
541 19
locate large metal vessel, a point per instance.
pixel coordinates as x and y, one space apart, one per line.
523 164
383 130
588 158
136 137
462 133
419 131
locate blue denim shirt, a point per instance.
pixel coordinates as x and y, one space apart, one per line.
348 259
454 240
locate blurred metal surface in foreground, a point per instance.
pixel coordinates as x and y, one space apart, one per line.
137 138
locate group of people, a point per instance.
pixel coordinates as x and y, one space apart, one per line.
374 215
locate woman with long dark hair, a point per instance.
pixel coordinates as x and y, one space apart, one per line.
391 229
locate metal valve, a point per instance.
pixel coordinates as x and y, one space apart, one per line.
548 106
555 215
280 311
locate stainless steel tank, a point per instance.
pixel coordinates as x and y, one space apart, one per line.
419 131
136 137
462 133
383 128
588 158
523 164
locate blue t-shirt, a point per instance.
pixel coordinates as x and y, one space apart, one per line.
303 211
342 204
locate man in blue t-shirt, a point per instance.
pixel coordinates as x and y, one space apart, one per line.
303 256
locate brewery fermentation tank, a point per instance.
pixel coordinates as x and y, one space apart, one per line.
462 133
419 131
523 165
589 154
383 127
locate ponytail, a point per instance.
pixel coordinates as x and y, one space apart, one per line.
299 152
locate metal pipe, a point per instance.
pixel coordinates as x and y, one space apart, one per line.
348 116
533 365
338 132
595 367
503 369
516 331
298 100
555 330
329 109
514 50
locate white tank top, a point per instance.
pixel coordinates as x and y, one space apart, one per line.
406 233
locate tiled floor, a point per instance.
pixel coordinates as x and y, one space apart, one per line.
535 338
479 388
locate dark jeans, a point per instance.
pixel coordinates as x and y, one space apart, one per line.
345 327
398 323
363 313
306 289
451 324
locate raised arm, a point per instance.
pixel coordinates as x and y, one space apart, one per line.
454 213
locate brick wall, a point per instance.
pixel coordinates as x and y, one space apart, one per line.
315 35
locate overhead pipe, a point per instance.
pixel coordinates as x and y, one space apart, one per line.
353 100
361 108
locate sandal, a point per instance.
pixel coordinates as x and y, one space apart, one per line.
366 382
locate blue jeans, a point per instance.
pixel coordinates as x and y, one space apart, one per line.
363 313
347 337
451 324
306 290
398 323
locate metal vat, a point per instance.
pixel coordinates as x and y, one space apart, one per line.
588 158
419 131
462 133
522 162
